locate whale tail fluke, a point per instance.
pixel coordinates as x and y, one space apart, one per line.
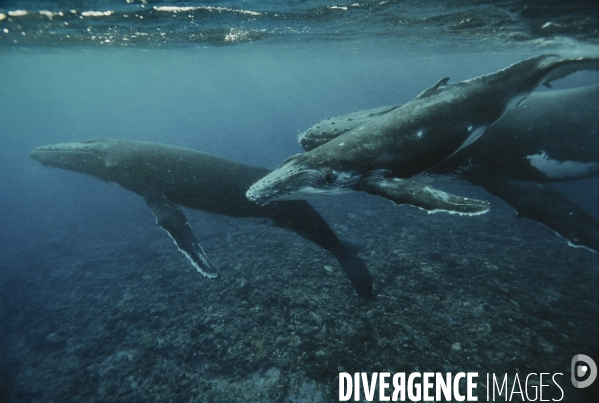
354 245
357 272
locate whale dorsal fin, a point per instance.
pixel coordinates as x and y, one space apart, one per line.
434 88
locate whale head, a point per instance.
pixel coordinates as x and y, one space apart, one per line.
301 177
92 157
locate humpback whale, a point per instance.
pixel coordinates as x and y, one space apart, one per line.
552 137
168 177
380 155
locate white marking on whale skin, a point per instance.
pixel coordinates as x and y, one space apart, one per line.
446 197
438 194
460 213
452 212
194 264
556 169
475 134
573 245
310 192
580 246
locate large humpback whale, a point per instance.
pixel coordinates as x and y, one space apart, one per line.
168 177
380 155
552 137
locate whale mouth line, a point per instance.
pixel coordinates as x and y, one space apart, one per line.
285 187
56 156
312 184
63 151
48 155
302 194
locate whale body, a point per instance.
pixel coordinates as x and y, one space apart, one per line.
382 154
168 177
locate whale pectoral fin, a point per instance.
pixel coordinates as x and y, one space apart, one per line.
405 191
170 218
547 205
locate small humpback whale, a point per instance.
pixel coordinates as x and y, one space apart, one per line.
326 130
168 177
380 155
552 137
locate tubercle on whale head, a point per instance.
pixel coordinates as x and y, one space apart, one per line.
279 183
81 157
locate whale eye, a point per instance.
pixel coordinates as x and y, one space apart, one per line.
330 177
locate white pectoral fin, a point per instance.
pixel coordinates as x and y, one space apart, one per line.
171 218
405 191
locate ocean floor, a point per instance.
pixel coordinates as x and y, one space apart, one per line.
135 323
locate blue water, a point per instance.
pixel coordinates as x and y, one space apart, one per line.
246 103
246 99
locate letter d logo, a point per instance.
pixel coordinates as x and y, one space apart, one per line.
581 370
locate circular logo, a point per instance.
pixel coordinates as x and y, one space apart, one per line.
580 371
